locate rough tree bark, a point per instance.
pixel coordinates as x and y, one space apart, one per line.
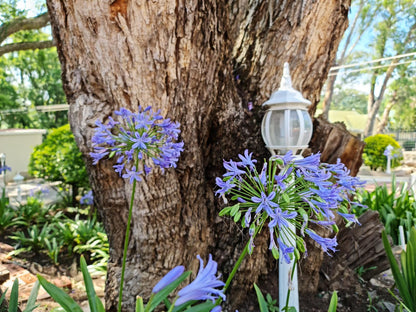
200 62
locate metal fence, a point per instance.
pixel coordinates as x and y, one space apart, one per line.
407 139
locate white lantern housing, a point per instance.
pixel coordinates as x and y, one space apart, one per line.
286 125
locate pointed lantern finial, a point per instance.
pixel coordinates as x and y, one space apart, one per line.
286 94
286 82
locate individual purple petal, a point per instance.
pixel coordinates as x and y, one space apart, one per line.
203 287
285 250
266 202
246 160
216 309
132 175
225 186
247 217
325 243
232 169
169 278
281 218
350 217
119 169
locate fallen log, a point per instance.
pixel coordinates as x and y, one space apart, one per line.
360 248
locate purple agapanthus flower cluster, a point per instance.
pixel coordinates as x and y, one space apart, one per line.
203 287
4 169
87 199
288 190
134 138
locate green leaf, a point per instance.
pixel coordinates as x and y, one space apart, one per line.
3 296
164 293
237 216
225 211
31 302
334 302
14 297
99 304
260 299
183 306
285 197
89 286
234 209
202 307
139 304
275 253
398 277
66 302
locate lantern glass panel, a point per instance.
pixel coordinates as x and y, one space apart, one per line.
294 128
277 133
307 128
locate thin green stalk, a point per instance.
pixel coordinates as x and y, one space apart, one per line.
288 289
237 266
126 243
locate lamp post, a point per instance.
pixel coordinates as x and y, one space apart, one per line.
3 167
18 179
387 153
287 126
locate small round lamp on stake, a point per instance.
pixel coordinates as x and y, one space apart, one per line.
3 166
286 125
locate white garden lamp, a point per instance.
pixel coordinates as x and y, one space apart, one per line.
287 126
3 164
18 179
387 152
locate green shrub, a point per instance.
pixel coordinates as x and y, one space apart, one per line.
373 153
59 159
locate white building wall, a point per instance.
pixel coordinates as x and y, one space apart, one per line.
18 145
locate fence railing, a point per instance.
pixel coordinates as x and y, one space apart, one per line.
407 139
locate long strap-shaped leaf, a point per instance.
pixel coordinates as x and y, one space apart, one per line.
89 286
408 259
260 299
66 302
334 302
398 277
14 296
31 302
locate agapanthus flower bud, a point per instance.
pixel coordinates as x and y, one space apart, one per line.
169 278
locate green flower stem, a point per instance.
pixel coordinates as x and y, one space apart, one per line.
149 303
126 243
286 308
237 265
173 304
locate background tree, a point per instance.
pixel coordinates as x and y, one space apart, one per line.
12 21
365 12
395 35
402 101
349 99
30 76
200 63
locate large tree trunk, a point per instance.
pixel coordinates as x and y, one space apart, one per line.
200 62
